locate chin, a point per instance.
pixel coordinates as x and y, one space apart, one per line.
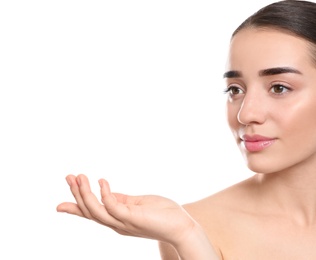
261 166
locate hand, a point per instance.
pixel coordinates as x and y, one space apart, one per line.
153 217
149 216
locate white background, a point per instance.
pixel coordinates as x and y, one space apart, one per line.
131 91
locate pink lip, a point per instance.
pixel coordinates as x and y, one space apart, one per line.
256 143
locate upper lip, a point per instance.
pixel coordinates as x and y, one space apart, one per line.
255 138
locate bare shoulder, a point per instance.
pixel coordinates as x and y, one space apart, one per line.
217 212
228 199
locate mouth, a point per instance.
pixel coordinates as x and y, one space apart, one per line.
256 143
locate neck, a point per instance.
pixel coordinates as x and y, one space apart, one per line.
292 192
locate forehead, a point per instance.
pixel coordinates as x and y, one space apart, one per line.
264 48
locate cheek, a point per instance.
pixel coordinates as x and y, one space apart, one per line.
296 130
299 121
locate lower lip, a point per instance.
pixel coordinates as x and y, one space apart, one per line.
258 145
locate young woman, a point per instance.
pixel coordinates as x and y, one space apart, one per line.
271 110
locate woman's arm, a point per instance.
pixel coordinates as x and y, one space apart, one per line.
196 247
152 217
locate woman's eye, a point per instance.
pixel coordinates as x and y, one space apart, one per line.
279 89
233 91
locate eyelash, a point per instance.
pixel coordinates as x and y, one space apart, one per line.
287 89
227 90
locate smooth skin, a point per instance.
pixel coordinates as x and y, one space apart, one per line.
271 215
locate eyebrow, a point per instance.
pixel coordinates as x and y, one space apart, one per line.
265 72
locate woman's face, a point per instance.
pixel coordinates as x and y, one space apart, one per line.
271 104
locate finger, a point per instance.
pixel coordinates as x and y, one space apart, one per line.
96 210
116 205
72 181
70 208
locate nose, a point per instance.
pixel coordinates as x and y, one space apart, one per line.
253 110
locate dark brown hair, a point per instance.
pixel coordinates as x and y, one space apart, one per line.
292 16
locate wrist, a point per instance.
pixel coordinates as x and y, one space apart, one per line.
195 245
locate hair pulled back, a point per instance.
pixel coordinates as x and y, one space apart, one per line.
295 17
